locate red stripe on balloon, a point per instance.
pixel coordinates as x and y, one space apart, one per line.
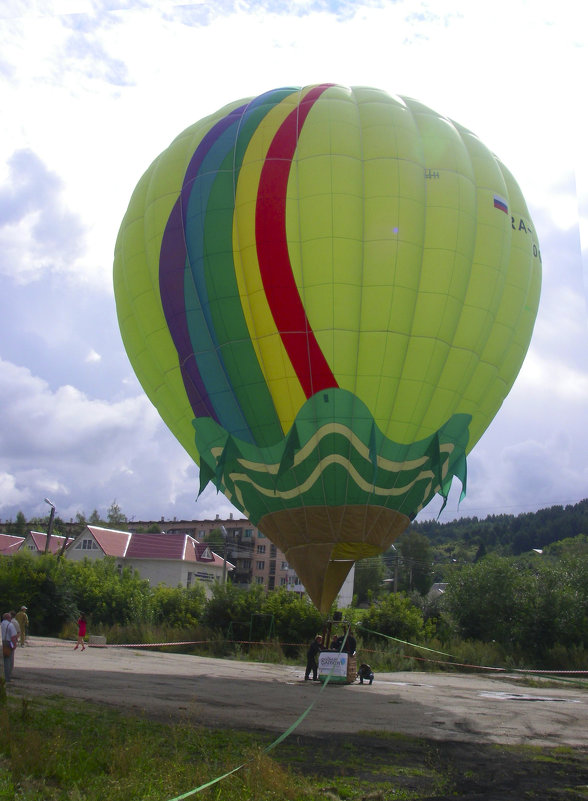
281 291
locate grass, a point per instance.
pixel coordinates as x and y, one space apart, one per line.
53 749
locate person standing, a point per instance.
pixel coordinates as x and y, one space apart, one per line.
23 622
16 625
81 632
350 643
9 641
314 649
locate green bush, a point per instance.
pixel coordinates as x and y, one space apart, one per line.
527 608
177 606
396 616
42 583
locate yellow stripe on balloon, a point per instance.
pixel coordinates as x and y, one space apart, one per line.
281 379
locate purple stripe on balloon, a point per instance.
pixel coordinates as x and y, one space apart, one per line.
202 151
172 264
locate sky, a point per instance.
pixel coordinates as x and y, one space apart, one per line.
91 91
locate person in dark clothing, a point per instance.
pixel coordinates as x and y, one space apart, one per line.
316 646
365 672
350 644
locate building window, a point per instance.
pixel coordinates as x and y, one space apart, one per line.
248 532
272 583
283 581
259 579
261 549
87 545
284 566
260 565
260 535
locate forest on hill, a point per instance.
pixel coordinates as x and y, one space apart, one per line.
505 535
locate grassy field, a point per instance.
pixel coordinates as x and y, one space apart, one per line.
57 750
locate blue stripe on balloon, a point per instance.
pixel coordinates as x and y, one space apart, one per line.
184 292
178 297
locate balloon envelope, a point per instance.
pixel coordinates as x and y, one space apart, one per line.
327 292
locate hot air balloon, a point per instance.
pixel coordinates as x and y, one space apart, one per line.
327 293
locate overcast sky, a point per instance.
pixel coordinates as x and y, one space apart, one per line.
91 91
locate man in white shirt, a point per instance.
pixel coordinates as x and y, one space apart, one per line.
9 640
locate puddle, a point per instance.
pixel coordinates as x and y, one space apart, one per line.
523 697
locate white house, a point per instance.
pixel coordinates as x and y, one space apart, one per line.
35 542
171 559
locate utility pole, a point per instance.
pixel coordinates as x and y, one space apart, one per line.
50 528
225 535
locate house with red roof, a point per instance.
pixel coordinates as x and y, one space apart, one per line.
35 542
10 543
172 559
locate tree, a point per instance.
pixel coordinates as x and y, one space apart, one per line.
296 620
417 572
115 517
216 539
106 596
230 604
41 583
369 575
397 617
20 526
178 606
482 599
480 553
154 529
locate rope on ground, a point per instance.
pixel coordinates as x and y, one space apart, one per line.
553 673
530 671
273 744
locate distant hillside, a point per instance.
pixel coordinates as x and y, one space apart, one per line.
509 534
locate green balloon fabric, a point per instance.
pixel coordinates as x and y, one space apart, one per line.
327 292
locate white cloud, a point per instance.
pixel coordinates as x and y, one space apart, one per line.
86 452
37 232
9 492
553 380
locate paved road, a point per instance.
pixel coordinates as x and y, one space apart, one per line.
226 693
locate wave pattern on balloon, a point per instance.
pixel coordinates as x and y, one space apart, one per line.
327 293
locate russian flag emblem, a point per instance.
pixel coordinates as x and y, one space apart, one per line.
500 203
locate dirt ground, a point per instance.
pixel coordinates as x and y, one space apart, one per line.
461 720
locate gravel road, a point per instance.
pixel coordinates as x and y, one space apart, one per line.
225 693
